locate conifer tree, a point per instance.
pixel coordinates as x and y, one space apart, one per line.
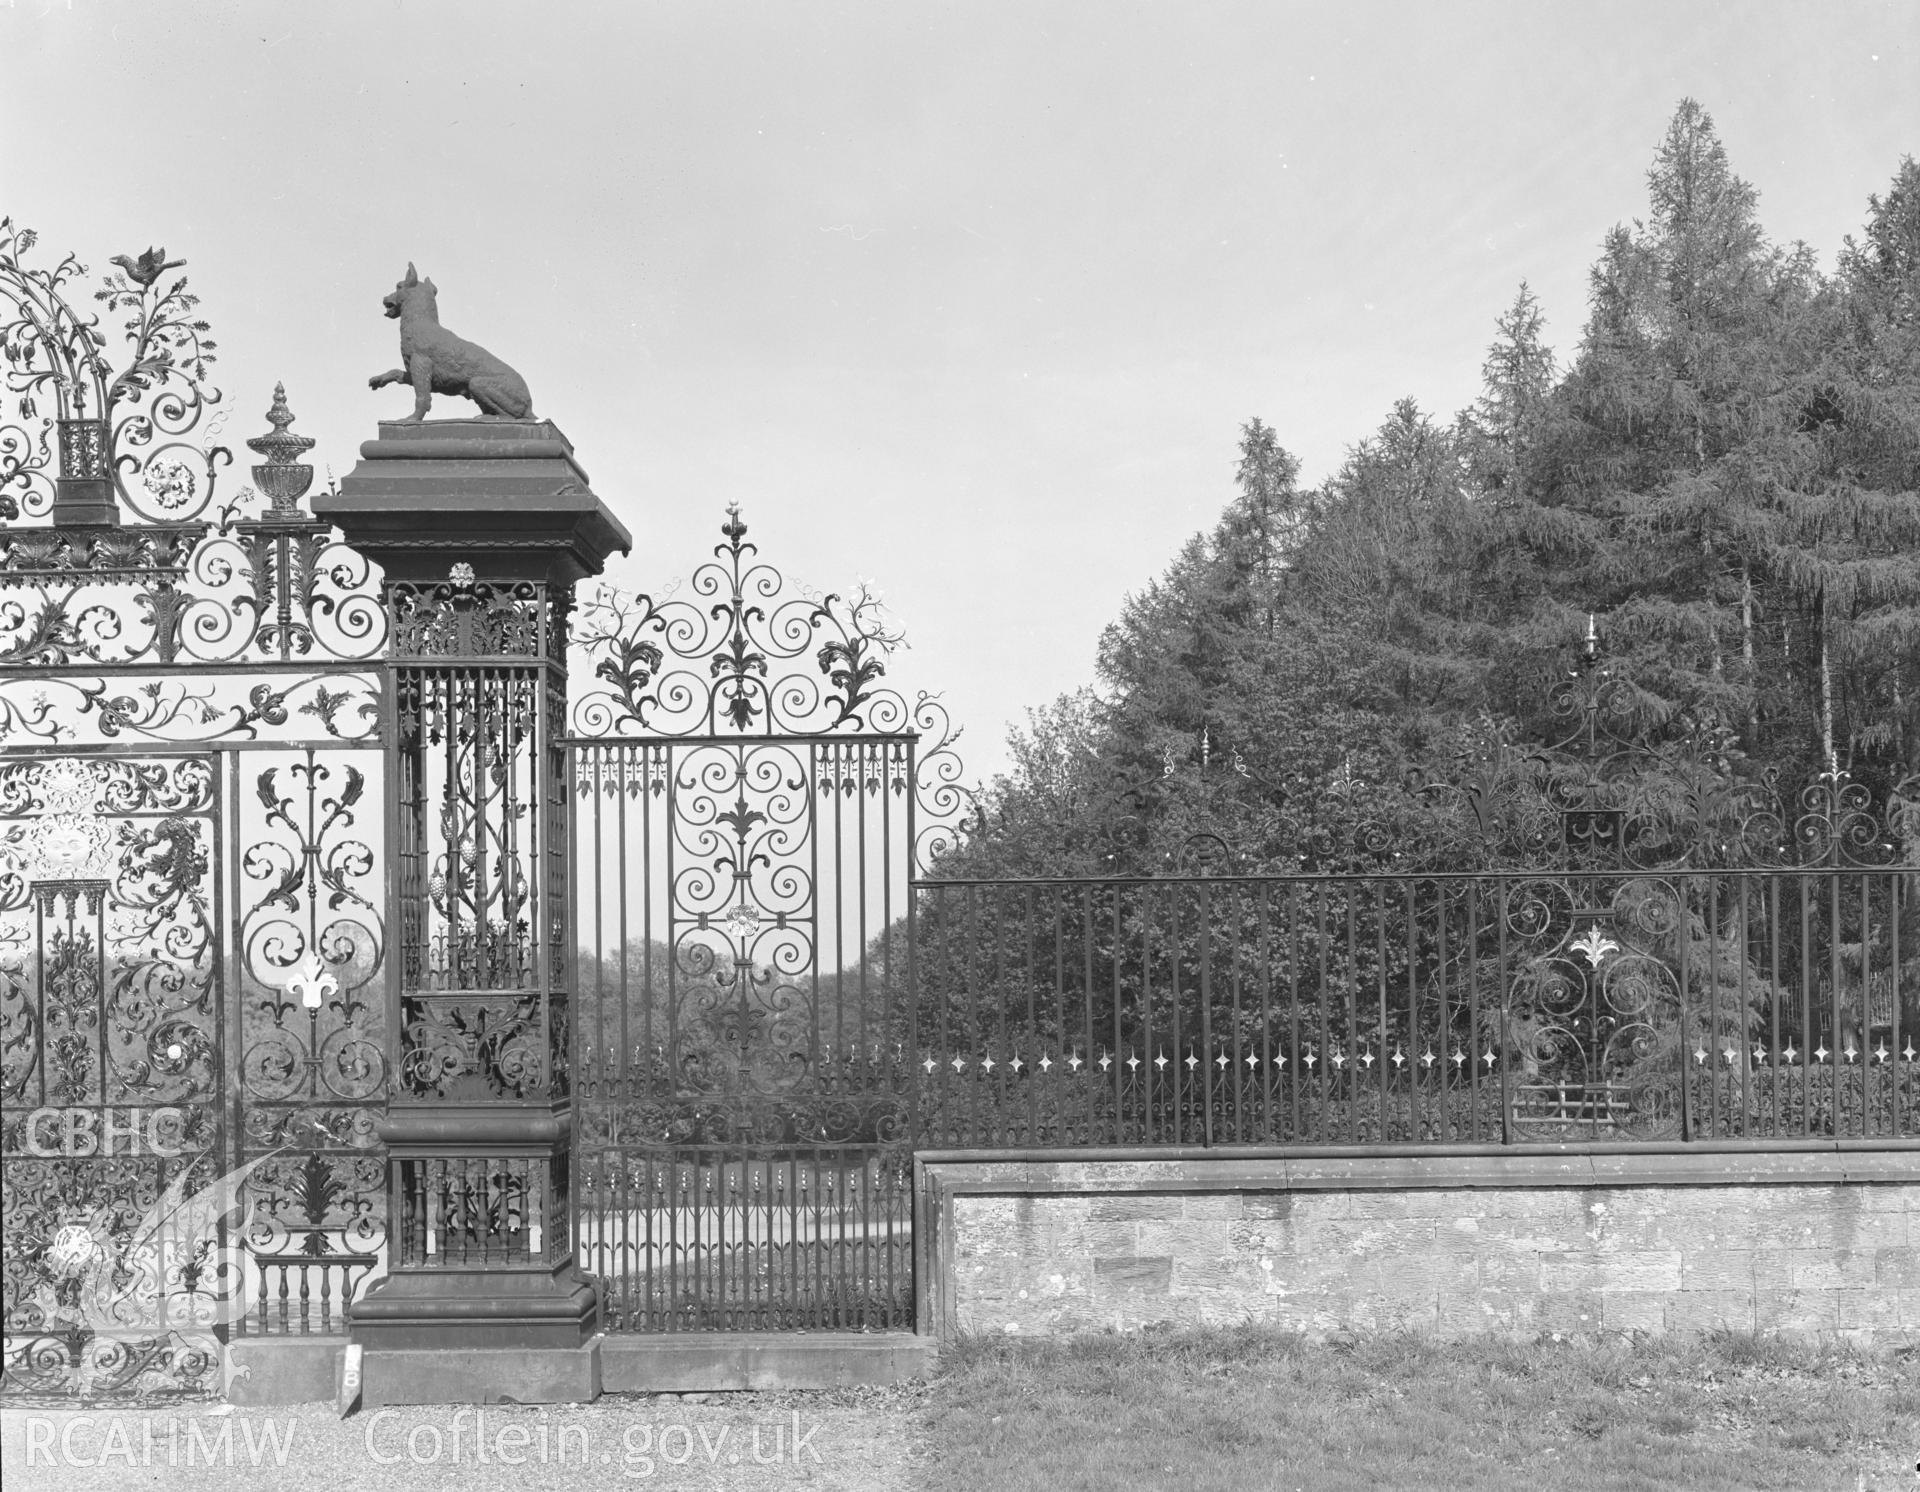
1675 367
1847 551
1500 432
1725 478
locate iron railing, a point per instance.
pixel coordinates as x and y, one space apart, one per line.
1487 1007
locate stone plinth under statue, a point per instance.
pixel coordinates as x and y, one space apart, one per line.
507 497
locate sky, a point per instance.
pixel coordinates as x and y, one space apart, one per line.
965 301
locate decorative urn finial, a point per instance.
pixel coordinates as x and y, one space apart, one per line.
284 479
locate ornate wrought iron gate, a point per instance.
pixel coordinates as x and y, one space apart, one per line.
183 1011
192 1029
746 830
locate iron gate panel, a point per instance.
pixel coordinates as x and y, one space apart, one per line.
191 951
112 1063
191 1059
743 1075
746 840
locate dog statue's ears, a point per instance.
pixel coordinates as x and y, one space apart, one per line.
412 278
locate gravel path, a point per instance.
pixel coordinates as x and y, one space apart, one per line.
858 1440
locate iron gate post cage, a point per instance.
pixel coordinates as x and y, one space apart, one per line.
480 528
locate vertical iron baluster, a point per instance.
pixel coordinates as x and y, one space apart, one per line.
1204 918
1506 988
819 774
972 1032
1411 1066
864 755
836 755
999 1100
1231 1091
1772 884
880 1241
1475 1119
450 977
1743 1065
1866 997
592 1090
1897 1063
1868 1108
909 988
1323 1068
669 816
1030 943
1095 1131
726 1230
676 1189
1293 1076
1057 1126
1805 1084
1443 1017
1150 1129
1835 978
1689 1119
1119 960
1351 1037
1381 1016
795 1295
1175 1025
613 1191
871 1274
629 1082
822 1182
1268 1133
1713 999
641 1082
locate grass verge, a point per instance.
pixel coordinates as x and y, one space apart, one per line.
1248 1408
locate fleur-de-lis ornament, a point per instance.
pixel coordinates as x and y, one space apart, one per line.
1594 946
312 982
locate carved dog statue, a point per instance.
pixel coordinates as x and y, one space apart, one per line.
438 362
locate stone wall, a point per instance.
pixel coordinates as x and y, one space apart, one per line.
1817 1238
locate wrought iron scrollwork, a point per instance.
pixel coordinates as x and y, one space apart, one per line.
747 655
146 628
1654 787
109 1004
250 589
312 941
476 1047
159 609
461 618
1587 1009
315 1235
719 663
128 431
104 869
